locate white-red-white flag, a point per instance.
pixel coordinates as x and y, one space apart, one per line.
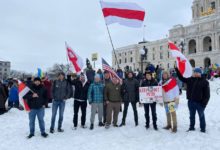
182 62
124 13
23 90
76 60
171 89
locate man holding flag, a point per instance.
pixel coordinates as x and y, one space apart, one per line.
198 90
36 99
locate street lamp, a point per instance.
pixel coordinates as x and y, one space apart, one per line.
143 53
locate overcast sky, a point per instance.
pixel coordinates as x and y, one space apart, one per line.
33 32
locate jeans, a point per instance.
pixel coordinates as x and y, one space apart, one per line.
40 115
126 104
193 107
83 106
153 112
61 105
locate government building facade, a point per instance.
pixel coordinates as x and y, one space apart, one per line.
199 41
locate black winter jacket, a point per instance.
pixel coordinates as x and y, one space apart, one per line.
38 102
152 82
198 89
130 90
81 91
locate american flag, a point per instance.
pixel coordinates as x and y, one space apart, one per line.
106 67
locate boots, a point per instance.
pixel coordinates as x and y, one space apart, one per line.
168 127
174 129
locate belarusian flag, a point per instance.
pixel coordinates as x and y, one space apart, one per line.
123 13
23 90
183 63
171 89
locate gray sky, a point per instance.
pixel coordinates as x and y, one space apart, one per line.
32 33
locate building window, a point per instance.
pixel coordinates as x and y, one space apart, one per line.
153 56
161 55
125 54
5 69
168 54
131 53
119 54
119 61
168 65
213 5
125 60
131 59
161 47
202 9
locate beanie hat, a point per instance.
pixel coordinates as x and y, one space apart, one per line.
37 79
198 70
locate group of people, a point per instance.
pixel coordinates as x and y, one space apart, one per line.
106 96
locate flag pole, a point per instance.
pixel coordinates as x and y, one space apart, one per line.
68 67
111 41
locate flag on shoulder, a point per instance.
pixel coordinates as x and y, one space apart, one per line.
106 67
76 60
123 13
182 62
171 89
23 90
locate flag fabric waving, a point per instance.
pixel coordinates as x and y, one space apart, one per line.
106 67
171 89
23 90
40 73
76 60
183 63
124 13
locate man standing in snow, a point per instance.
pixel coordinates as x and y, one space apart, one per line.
36 100
113 101
60 93
198 94
130 89
80 99
95 97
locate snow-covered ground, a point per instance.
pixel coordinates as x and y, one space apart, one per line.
14 129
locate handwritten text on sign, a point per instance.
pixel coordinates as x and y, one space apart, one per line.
151 94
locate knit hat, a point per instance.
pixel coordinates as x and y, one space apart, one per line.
198 70
37 79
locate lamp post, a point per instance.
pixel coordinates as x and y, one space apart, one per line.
143 53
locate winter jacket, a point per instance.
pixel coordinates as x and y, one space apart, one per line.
13 94
198 89
113 92
2 97
37 102
147 83
90 74
61 90
81 90
96 93
130 89
48 85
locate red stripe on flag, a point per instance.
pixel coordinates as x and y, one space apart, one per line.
172 84
21 87
181 65
124 13
172 46
26 107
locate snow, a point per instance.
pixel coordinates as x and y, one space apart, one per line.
14 129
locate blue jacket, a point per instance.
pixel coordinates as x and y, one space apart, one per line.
13 94
96 93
